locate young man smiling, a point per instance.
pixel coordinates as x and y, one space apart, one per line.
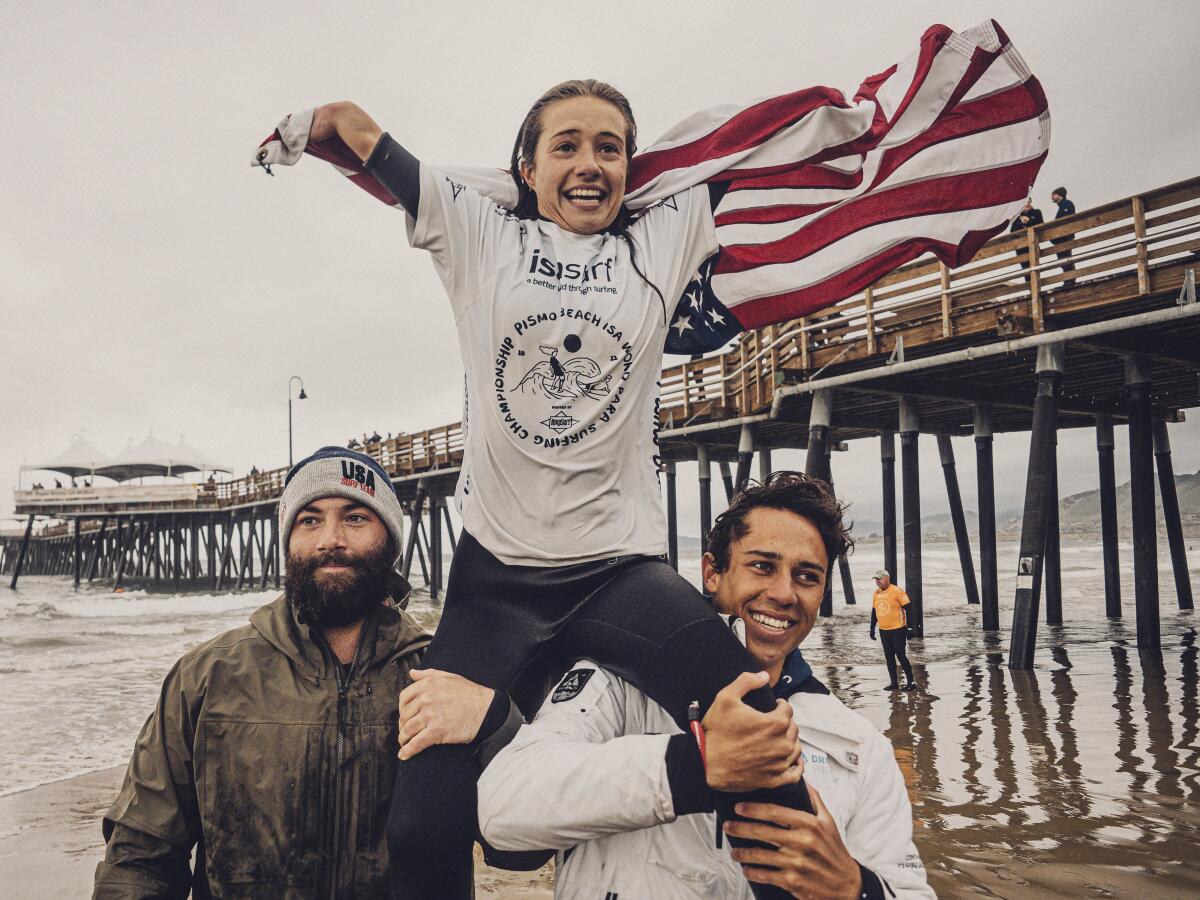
604 776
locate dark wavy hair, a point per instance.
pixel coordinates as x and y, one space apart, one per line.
525 148
809 498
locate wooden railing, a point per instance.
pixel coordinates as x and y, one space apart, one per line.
404 454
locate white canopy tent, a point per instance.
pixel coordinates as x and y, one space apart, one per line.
150 457
80 458
187 451
155 457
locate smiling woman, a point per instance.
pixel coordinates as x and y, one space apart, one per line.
572 155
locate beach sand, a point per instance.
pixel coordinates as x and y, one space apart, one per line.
50 843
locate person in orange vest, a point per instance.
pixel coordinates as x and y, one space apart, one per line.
887 612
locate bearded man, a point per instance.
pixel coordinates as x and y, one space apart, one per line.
273 747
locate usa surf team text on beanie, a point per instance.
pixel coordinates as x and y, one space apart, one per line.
339 472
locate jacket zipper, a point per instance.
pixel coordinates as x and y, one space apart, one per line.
343 679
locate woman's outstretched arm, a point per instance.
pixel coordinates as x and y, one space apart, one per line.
393 166
350 123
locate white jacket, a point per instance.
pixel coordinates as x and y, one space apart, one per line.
588 777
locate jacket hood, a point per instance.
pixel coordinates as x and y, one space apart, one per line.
390 633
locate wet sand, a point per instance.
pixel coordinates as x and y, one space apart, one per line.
1078 779
50 843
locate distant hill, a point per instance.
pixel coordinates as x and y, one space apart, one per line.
1078 514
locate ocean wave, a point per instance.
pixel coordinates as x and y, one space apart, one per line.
40 641
32 610
51 664
144 630
18 787
175 606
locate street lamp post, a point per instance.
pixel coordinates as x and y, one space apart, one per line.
302 396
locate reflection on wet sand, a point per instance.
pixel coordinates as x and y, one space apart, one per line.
1078 778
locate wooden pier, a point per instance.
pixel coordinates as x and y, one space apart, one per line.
1009 342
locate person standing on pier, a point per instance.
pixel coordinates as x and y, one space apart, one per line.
564 530
887 613
1065 208
272 749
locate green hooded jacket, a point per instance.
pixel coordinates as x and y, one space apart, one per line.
270 759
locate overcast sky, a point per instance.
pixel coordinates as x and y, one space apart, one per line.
153 281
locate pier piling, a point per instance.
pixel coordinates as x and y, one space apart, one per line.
910 479
22 553
1170 502
726 480
887 454
1105 445
958 517
764 464
75 546
1141 497
816 462
1033 519
97 550
414 521
1052 578
986 488
843 562
745 456
704 476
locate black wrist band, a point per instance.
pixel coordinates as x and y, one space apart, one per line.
690 792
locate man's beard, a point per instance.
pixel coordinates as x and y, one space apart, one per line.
333 600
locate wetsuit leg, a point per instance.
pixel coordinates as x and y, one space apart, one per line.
655 630
497 629
433 820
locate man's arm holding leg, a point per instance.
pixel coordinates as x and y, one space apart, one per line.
584 768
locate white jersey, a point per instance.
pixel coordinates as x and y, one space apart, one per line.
562 342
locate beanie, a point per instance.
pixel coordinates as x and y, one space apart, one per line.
1061 191
338 472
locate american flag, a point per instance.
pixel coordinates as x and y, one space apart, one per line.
823 195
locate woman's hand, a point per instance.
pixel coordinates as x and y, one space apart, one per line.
440 708
348 121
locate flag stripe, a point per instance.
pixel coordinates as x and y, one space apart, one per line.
745 131
972 190
794 304
986 114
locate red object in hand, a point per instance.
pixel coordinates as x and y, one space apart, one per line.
697 730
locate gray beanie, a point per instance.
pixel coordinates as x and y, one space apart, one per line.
338 472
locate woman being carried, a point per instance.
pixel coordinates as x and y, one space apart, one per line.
563 525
